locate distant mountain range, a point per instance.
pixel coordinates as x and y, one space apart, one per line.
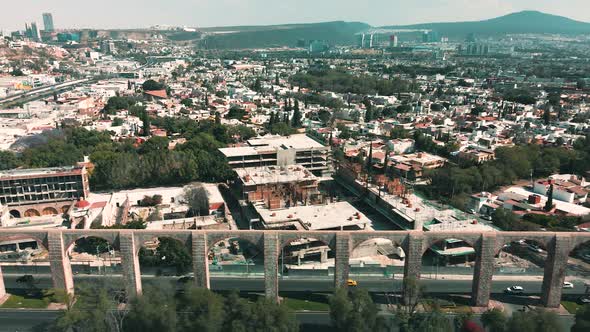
339 32
521 22
343 33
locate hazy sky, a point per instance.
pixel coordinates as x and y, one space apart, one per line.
202 13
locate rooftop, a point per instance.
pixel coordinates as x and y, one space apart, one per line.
274 174
38 171
315 217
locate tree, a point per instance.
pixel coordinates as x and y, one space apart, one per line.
17 72
151 85
434 321
96 310
547 116
29 281
146 123
117 122
535 320
494 320
296 119
187 102
202 310
354 311
170 253
370 159
155 310
549 203
197 199
257 85
8 160
582 319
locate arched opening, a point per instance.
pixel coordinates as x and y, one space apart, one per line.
164 259
576 288
49 211
15 213
235 256
96 265
378 256
94 256
519 267
306 257
25 267
32 213
447 271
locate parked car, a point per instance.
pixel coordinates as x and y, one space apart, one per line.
535 248
514 290
584 299
486 217
567 284
471 211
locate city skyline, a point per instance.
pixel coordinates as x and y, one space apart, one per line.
135 14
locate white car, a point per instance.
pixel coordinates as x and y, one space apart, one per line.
514 290
567 284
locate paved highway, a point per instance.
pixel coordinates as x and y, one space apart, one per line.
24 320
287 284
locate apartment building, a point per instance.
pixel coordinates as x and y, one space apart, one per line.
281 151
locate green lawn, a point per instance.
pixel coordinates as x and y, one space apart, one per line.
25 301
300 305
571 307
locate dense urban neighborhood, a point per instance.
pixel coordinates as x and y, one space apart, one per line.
189 151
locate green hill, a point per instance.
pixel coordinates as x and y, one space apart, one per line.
521 22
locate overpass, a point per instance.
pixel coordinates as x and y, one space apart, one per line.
414 243
41 92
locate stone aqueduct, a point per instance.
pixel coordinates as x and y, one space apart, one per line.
415 243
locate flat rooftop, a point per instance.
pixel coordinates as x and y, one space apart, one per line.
28 172
315 217
274 174
271 143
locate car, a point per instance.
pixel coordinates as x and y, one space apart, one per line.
585 299
471 211
185 279
514 290
486 217
535 248
567 284
351 283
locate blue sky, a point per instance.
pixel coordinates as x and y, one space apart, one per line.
202 13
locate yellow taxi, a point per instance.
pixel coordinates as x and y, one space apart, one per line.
351 283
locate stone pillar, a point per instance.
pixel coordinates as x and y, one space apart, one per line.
271 265
324 256
412 266
200 253
484 270
342 259
61 270
130 262
2 288
555 265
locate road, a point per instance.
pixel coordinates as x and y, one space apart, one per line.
292 284
24 320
